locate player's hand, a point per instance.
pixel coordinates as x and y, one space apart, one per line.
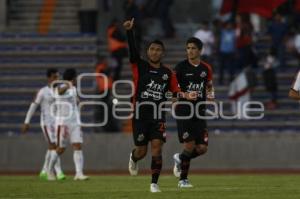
128 24
191 95
25 128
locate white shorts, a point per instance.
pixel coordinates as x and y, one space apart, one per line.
68 132
49 133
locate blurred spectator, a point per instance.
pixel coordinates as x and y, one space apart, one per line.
246 54
161 10
270 78
256 21
150 8
8 11
164 16
117 46
227 51
105 67
297 44
208 39
277 30
132 10
107 5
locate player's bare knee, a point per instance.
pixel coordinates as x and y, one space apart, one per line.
156 151
77 146
60 151
156 148
189 146
202 149
52 146
140 152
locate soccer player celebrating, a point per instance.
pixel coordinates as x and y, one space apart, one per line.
45 98
152 81
294 92
193 75
67 124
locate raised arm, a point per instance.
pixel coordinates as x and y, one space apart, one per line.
294 90
133 51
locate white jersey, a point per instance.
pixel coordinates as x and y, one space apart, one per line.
45 98
296 84
208 39
67 108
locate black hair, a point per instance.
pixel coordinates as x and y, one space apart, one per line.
158 42
69 74
205 23
195 41
273 51
51 71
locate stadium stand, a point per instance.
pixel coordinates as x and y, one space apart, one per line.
25 55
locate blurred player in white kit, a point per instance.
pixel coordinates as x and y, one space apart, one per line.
67 125
294 92
45 98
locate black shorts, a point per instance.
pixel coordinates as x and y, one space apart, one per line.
147 130
192 130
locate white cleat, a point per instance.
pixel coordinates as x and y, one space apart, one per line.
133 166
154 188
81 177
51 176
184 184
177 162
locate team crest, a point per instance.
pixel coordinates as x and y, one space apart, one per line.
203 74
165 77
185 135
141 137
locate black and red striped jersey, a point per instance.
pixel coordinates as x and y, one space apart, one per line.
151 84
193 79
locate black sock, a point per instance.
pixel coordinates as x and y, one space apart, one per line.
185 158
133 157
194 154
156 165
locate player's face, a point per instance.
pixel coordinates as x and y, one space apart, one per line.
155 53
192 51
53 77
74 81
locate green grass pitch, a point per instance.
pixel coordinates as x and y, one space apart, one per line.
125 187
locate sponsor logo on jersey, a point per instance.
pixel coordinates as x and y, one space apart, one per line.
141 137
154 90
165 77
185 135
203 74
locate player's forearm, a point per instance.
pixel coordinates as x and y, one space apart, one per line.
133 52
62 90
294 95
210 93
30 112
